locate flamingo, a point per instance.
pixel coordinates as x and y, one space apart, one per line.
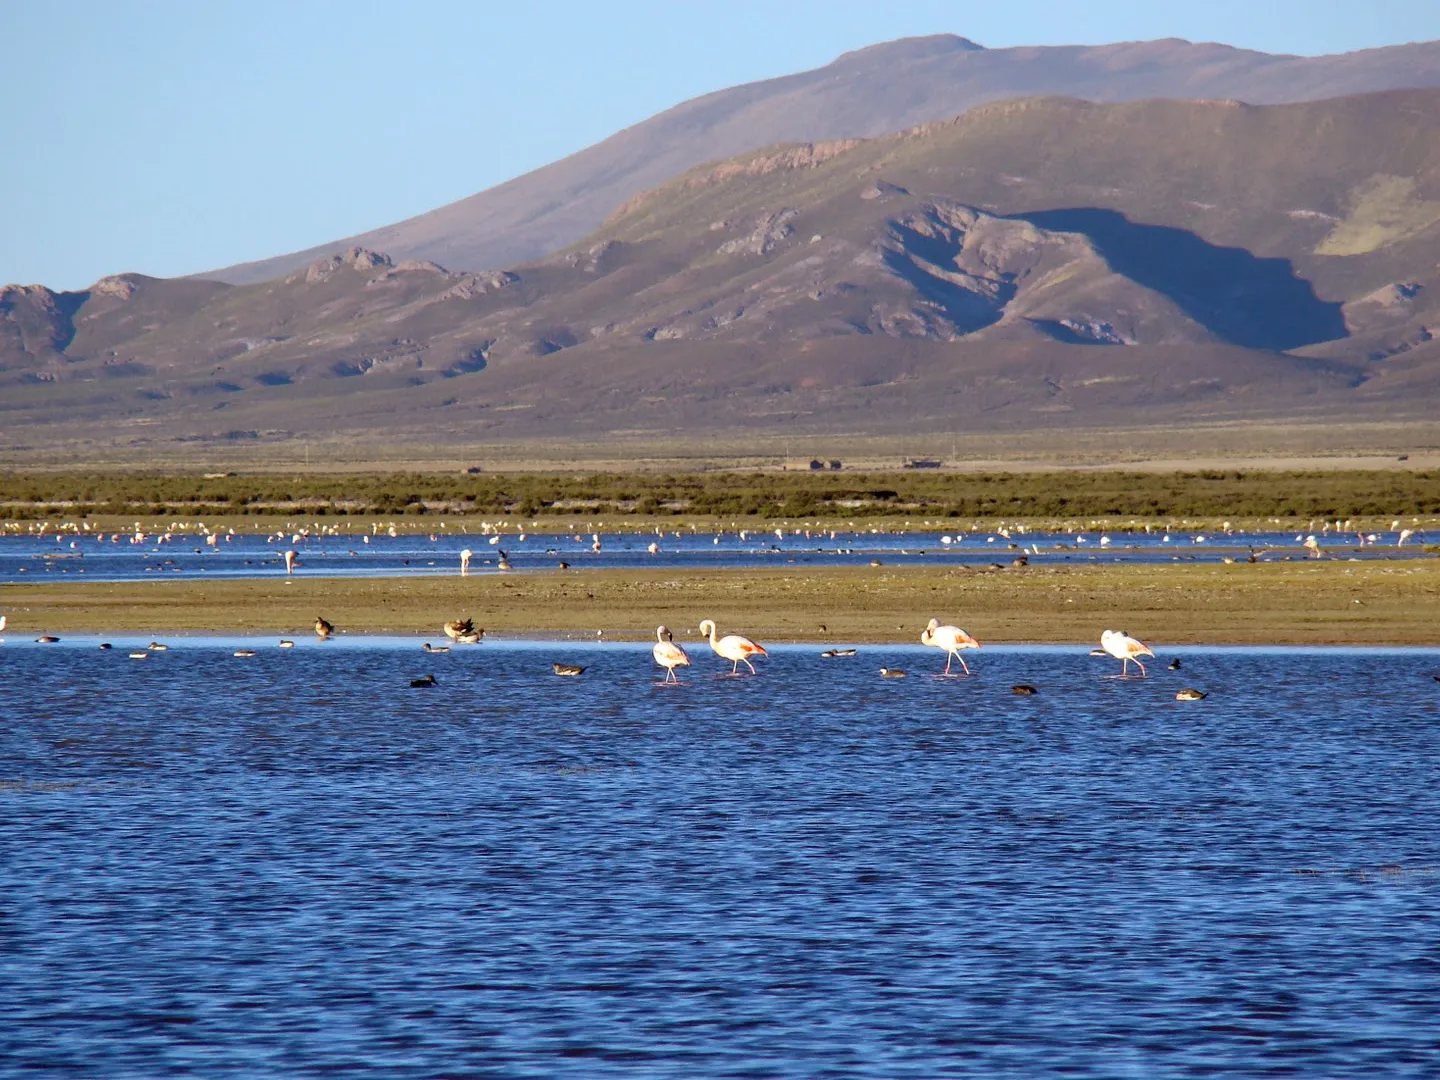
950 638
1125 648
465 557
667 654
290 562
733 647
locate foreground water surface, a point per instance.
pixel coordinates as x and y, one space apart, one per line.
293 864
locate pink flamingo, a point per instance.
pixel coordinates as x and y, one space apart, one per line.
667 654
289 562
1125 648
950 638
733 647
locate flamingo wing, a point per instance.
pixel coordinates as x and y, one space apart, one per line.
667 654
734 646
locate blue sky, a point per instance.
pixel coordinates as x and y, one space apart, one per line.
173 136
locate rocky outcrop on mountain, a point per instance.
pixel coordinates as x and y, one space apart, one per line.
34 323
356 258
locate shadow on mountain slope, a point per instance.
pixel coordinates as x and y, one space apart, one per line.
1250 301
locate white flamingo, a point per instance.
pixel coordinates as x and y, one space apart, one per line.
950 638
667 654
1125 649
733 647
289 562
465 557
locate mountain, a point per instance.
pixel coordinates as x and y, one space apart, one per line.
1027 264
867 93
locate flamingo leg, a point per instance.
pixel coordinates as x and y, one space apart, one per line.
1141 667
734 667
750 666
962 663
948 657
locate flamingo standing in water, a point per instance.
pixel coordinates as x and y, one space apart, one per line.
1125 648
465 557
950 638
667 654
290 562
733 647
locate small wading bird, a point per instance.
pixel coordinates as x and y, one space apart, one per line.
155 646
733 647
891 673
244 652
667 654
420 684
286 643
567 669
950 638
1125 649
1189 694
46 639
432 649
323 629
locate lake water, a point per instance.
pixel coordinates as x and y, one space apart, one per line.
117 557
293 864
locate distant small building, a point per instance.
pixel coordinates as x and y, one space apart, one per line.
921 463
473 469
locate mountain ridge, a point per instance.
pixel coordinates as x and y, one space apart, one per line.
863 93
1035 263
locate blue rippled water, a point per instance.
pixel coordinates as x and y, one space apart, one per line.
293 864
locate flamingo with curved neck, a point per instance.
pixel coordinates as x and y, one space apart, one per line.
733 647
